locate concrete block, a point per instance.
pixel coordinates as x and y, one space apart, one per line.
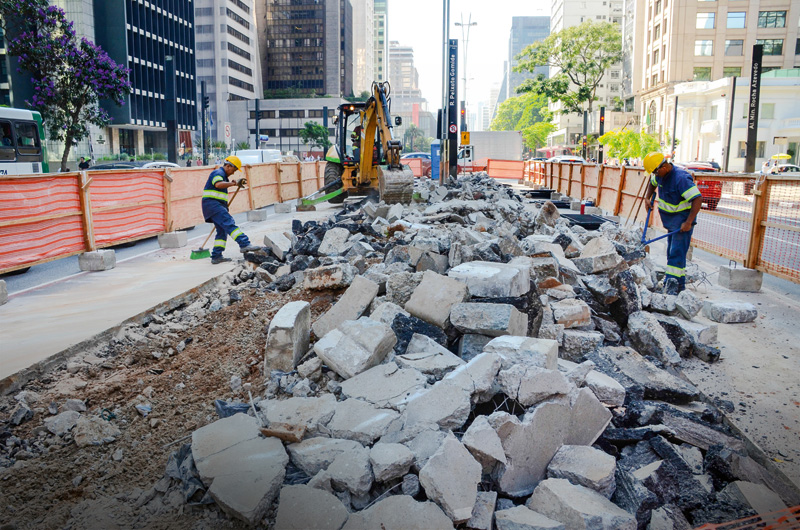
278 244
302 507
386 312
492 280
390 461
528 351
477 376
740 279
576 344
335 242
385 385
531 384
358 420
3 292
399 511
730 312
401 285
522 518
288 336
316 454
93 430
355 346
702 333
350 306
302 412
97 260
62 423
578 507
484 443
256 216
483 511
688 305
571 313
329 276
428 356
471 345
489 319
649 338
585 466
433 299
173 239
350 471
759 497
588 419
283 207
444 404
450 479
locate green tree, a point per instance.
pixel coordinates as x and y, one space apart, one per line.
629 144
423 144
316 135
582 54
528 114
410 136
241 146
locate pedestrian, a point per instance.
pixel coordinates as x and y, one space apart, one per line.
83 165
679 201
215 209
189 162
219 161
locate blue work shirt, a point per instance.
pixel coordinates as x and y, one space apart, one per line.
676 190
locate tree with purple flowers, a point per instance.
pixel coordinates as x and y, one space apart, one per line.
69 75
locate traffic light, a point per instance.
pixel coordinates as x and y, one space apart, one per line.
463 116
584 142
205 102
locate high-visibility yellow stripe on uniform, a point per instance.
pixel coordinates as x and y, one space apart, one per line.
653 180
216 179
214 194
691 193
219 243
673 208
236 234
678 272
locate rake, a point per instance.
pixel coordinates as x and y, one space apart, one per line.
203 252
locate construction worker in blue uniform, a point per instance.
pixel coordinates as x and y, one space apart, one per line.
215 209
679 201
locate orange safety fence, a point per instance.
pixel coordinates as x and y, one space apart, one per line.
787 519
777 234
415 164
505 169
46 217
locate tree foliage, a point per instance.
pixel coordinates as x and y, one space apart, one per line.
581 54
526 113
411 137
315 134
69 76
629 143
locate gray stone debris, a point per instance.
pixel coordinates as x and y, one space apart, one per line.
484 443
757 496
399 512
649 338
386 312
522 518
730 312
530 385
588 419
355 300
351 471
688 304
571 313
492 280
300 412
385 385
471 345
333 276
578 506
428 356
355 346
483 511
450 479
585 466
62 423
663 303
525 350
278 244
426 442
576 344
434 297
444 404
288 336
476 378
390 461
488 319
302 507
358 420
401 285
334 243
598 255
316 454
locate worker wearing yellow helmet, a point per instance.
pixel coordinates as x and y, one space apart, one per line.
679 201
215 209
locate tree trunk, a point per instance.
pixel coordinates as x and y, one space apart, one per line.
67 147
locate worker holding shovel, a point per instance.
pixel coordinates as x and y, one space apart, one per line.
679 201
215 209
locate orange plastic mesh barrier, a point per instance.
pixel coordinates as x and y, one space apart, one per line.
415 164
40 219
126 205
505 169
779 252
788 519
723 224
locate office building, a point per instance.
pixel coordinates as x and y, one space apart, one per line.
524 32
381 40
363 45
406 96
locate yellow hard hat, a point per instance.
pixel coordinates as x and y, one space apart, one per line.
234 161
653 161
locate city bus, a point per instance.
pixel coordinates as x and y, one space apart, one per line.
22 148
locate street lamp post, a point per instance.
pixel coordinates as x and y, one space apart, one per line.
468 25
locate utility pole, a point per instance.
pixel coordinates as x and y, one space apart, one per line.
730 126
602 132
752 111
204 113
468 25
169 109
444 164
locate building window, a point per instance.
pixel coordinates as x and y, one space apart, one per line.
772 19
655 57
656 32
204 12
771 46
240 68
238 51
654 80
701 73
759 149
205 63
239 35
734 48
241 5
236 17
297 113
713 112
732 71
241 84
797 47
767 111
205 45
736 19
705 20
703 47
658 6
204 29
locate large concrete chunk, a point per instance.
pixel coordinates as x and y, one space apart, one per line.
425 444
730 312
484 444
531 384
444 404
578 507
740 279
598 255
433 299
93 430
476 378
173 239
355 346
399 512
355 300
334 243
302 507
428 356
360 421
333 276
589 418
244 471
315 454
525 350
489 319
351 471
759 497
302 412
571 313
62 423
390 461
483 511
385 385
607 389
288 336
688 305
450 479
649 338
585 466
97 260
702 333
278 244
492 280
386 312
576 344
522 518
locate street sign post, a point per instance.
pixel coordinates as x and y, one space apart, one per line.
227 128
464 138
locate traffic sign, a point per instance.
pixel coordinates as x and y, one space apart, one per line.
465 138
453 128
227 131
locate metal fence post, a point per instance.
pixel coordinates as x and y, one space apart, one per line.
760 200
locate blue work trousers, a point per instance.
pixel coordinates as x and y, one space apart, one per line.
215 212
677 245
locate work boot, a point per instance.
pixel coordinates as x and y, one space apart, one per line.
671 286
250 248
216 260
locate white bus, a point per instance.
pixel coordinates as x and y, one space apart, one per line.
22 149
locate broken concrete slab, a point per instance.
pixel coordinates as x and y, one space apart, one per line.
358 420
62 423
702 332
757 496
571 313
351 471
301 507
597 255
607 389
488 319
425 444
435 296
334 243
663 303
278 244
471 345
94 430
522 518
530 385
355 300
333 276
649 338
385 385
513 349
435 363
444 404
578 507
476 378
288 336
307 412
401 285
483 511
688 305
588 419
601 288
730 312
484 443
244 472
355 346
450 479
386 312
668 518
576 344
399 512
585 466
492 280
313 455
390 461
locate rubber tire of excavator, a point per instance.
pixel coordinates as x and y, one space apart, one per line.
333 172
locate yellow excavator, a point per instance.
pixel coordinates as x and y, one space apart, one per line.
365 158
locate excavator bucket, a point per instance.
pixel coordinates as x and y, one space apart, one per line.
396 185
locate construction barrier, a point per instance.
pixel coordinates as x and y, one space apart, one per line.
415 164
47 217
505 169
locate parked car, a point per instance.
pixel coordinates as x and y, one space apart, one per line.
426 161
570 159
711 190
789 170
132 164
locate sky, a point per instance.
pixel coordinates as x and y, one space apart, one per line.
418 23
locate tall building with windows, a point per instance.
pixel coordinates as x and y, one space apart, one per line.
363 45
381 40
227 57
406 96
690 40
524 32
